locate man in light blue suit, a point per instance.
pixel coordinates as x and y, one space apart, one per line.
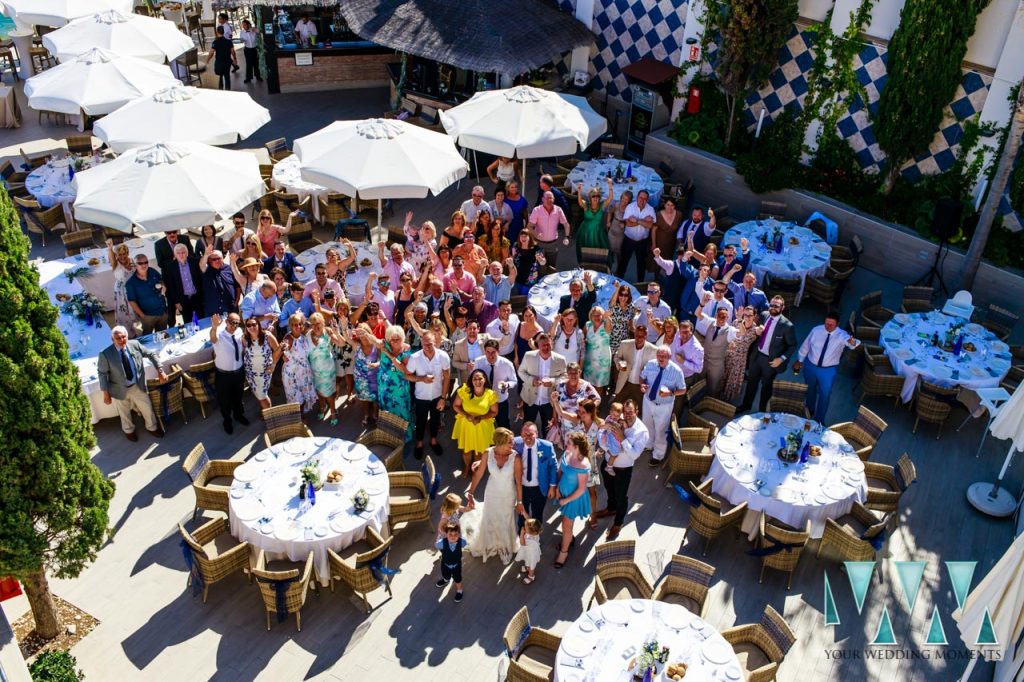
536 474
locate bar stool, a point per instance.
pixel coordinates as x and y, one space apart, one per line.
41 56
7 58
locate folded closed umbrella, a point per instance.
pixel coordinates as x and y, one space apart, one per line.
166 187
132 35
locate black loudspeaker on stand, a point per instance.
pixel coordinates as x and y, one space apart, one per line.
945 225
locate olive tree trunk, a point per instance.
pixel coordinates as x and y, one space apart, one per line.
44 611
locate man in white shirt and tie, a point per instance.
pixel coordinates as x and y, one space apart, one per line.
712 302
504 328
502 375
227 357
823 349
661 381
632 436
430 371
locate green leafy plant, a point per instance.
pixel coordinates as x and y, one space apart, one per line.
55 666
53 504
773 163
705 129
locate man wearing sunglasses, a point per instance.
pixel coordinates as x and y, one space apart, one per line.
227 356
145 292
472 206
577 299
650 311
714 301
769 355
236 240
219 286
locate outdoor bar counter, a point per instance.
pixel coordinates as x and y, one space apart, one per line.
355 64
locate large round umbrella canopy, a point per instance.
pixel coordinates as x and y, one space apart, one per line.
182 114
59 12
133 35
167 187
380 159
524 121
96 82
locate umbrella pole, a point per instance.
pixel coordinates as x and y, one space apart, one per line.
380 212
993 500
970 668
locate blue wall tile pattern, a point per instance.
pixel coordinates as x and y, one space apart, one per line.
787 83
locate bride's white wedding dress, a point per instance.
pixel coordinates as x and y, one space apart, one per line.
490 529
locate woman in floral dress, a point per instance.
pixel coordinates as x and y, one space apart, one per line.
366 361
747 332
597 358
296 374
336 267
621 308
123 267
392 386
321 361
345 353
565 400
259 357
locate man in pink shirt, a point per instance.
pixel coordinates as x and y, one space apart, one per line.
322 284
382 295
458 281
544 221
396 265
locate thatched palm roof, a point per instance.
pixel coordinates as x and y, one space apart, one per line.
506 36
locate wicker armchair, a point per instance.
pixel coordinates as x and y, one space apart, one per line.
857 536
617 574
211 479
686 583
387 441
879 377
297 587
215 554
278 149
300 237
333 207
773 533
409 497
871 311
761 647
10 176
42 221
1000 321
353 565
689 455
79 144
77 241
786 287
932 404
713 514
887 484
863 432
821 289
917 299
595 259
773 209
531 650
284 422
166 397
789 397
707 412
199 382
1013 379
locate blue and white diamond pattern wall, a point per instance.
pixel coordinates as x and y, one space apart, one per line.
787 83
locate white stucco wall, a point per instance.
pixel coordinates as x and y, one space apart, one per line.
989 39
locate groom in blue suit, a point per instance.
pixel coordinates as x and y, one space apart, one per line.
536 474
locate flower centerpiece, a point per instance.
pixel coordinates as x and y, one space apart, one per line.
954 332
83 307
78 163
653 658
361 501
310 473
789 452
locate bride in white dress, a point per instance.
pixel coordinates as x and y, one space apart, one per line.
490 529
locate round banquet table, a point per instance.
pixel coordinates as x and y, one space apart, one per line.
907 340
593 173
355 282
600 645
264 509
286 176
808 257
50 184
747 469
545 294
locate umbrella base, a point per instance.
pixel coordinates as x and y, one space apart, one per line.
980 496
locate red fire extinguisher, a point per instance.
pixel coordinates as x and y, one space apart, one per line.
693 100
9 588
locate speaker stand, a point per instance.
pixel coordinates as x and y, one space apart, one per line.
935 273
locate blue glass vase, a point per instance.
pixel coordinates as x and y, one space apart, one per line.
312 494
88 316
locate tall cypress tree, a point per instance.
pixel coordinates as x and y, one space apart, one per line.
53 499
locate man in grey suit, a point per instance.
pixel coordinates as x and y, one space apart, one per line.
540 370
123 381
769 355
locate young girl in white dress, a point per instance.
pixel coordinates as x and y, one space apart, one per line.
529 550
452 509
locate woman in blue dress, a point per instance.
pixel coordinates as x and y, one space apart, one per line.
573 499
392 386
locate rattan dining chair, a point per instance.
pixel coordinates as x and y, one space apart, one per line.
784 543
871 311
863 432
773 209
917 299
300 237
932 404
788 288
617 575
789 397
686 583
857 536
1000 321
713 514
689 456
294 584
78 241
887 484
761 647
593 258
215 554
284 422
48 221
880 378
334 207
386 441
278 149
707 412
166 397
409 496
198 382
211 479
359 565
821 289
531 650
79 144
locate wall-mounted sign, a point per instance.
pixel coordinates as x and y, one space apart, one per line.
268 29
694 53
303 59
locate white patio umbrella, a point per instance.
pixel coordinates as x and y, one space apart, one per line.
95 82
380 159
524 121
1001 593
132 35
168 186
182 114
1008 424
57 13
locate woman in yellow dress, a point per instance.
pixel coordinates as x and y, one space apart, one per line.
476 406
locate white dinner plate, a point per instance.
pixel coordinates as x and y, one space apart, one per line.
836 491
744 475
731 673
295 446
999 347
246 510
286 530
320 531
637 606
748 423
266 528
832 438
977 371
787 495
341 523
903 353
587 625
246 474
354 454
791 421
902 318
577 647
615 613
237 493
716 651
728 462
675 618
974 328
260 457
851 465
941 371
729 445
375 484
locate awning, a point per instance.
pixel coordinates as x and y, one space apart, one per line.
508 37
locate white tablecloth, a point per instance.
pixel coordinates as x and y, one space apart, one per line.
545 294
747 469
907 340
355 282
593 173
807 258
100 282
602 642
50 184
286 176
264 506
